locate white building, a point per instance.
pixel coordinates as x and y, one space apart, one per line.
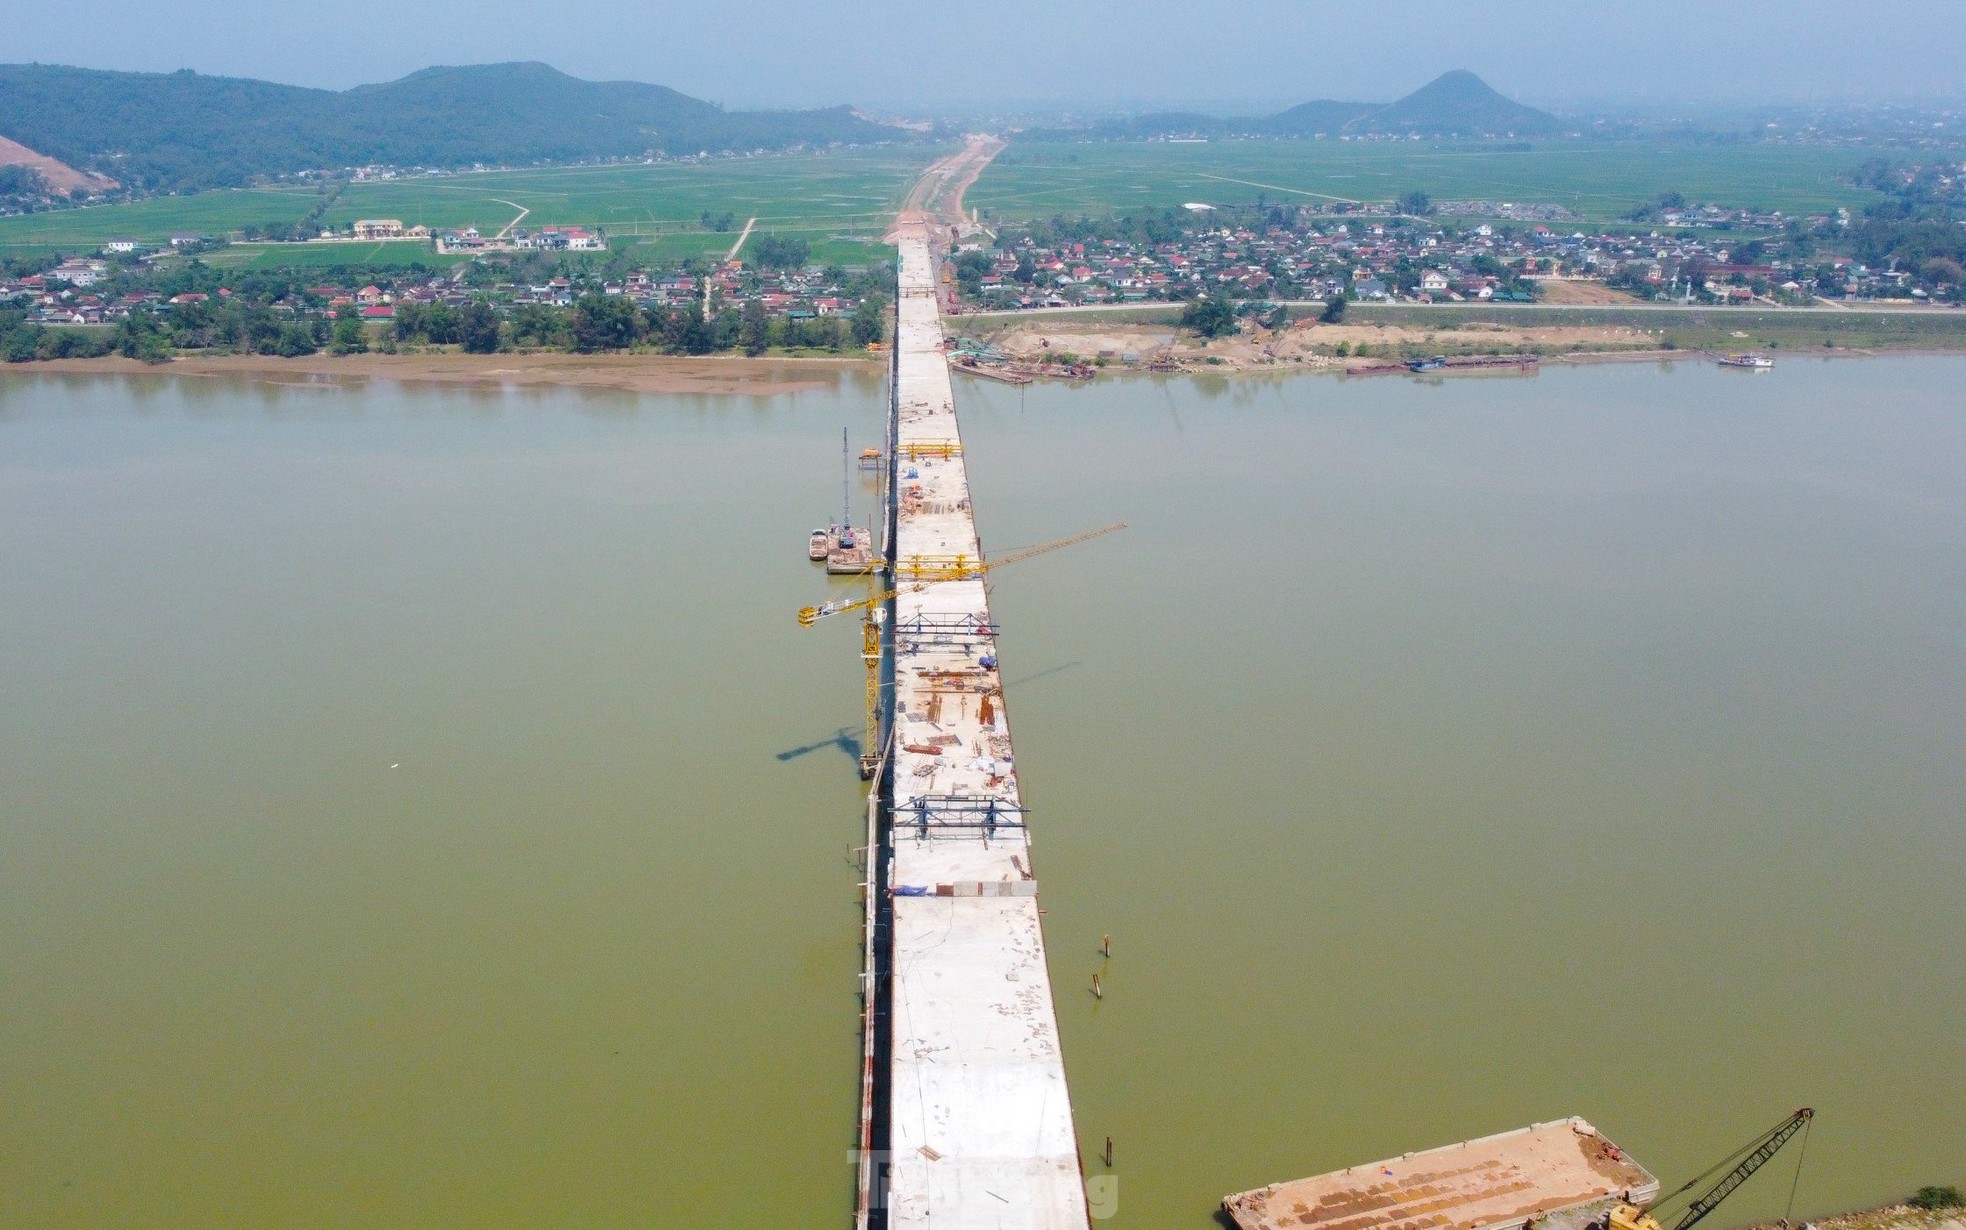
79 272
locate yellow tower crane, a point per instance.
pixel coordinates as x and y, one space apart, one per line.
914 575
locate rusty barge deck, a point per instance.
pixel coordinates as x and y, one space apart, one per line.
1556 1176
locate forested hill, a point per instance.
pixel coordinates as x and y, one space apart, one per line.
179 131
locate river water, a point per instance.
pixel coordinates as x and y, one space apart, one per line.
419 808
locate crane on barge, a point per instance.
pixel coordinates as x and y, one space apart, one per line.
1752 1156
915 574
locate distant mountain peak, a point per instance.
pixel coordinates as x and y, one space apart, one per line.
501 69
1457 86
1458 101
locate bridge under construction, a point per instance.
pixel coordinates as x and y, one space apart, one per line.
965 1116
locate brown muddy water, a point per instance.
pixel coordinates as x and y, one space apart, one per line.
419 808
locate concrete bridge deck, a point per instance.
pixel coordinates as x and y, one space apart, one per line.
978 1120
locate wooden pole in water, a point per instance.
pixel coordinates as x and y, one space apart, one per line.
1109 1153
1105 945
1097 993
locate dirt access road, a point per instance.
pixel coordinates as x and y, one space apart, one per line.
935 201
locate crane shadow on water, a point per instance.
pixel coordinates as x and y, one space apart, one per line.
1060 669
846 739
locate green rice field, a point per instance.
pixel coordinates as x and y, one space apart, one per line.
154 220
328 255
839 201
1599 180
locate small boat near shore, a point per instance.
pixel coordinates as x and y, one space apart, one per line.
1756 361
1444 364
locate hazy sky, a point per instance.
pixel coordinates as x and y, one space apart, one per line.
1115 53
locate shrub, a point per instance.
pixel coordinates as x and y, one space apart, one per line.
294 341
605 322
1937 1198
1210 317
477 328
23 345
771 252
349 335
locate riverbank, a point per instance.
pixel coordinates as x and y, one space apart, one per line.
630 373
1888 1217
1368 340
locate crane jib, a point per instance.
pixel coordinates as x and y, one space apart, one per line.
1769 1144
921 571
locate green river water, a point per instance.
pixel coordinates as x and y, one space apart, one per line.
419 808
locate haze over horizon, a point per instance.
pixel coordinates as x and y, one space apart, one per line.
1097 54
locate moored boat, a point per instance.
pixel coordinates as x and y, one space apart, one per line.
820 545
852 553
1746 360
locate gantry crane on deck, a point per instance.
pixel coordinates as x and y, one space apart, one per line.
1751 1158
913 575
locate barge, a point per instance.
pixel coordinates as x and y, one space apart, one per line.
851 553
1563 1175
